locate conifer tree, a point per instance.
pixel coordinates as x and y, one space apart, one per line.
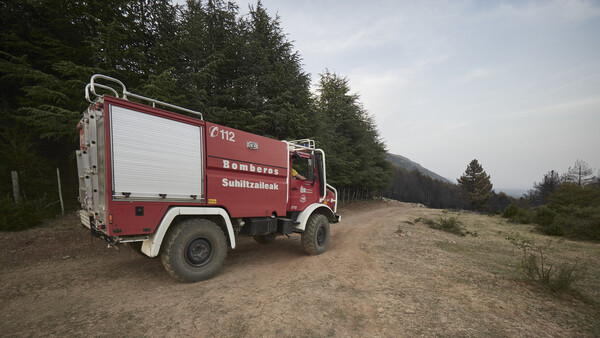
355 154
580 173
476 184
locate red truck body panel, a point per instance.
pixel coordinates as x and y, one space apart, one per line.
125 220
244 173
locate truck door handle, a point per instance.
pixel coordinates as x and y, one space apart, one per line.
294 188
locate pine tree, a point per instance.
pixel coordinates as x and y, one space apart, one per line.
541 191
355 154
580 173
476 185
277 88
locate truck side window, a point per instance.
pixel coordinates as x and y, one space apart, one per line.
304 167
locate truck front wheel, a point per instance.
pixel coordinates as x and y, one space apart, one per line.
315 238
194 250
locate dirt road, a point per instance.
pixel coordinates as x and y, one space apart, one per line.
371 281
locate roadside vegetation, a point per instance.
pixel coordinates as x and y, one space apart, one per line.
448 224
567 205
239 70
558 267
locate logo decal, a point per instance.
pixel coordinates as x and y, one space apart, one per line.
303 190
214 131
229 164
233 183
302 199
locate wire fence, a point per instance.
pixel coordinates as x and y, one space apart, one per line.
51 188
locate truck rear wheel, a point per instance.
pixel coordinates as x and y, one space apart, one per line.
194 250
315 238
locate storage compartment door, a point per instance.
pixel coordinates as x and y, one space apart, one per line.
154 157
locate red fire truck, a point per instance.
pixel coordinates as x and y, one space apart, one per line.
175 186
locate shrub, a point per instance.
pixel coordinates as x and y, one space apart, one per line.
427 221
517 215
576 223
538 266
523 216
510 211
22 215
544 216
553 229
450 224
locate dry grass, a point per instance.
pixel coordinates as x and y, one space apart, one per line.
383 275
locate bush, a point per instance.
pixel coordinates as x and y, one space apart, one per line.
544 216
576 223
553 230
510 211
427 221
517 215
538 266
450 224
22 215
523 216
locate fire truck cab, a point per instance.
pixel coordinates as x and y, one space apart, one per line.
174 186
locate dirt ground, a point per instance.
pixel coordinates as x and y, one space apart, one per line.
373 281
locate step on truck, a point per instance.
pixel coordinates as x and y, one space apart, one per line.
169 184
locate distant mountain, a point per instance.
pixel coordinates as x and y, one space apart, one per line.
409 165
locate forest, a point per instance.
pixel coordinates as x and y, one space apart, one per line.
238 70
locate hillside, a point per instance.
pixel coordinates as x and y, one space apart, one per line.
374 280
403 162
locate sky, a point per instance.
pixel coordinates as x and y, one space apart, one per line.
513 84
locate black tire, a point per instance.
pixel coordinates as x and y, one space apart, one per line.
315 238
265 239
194 250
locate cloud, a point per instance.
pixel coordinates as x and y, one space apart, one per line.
549 12
586 105
471 76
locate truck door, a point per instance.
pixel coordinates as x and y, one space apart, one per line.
304 187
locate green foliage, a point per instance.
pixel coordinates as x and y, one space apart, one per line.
413 186
447 224
573 211
517 214
427 221
538 266
541 191
356 156
544 216
240 71
571 195
523 216
577 210
22 215
510 211
498 203
476 185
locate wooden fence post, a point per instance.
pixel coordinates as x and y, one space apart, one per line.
62 205
15 183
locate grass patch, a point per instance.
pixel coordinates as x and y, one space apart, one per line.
447 224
